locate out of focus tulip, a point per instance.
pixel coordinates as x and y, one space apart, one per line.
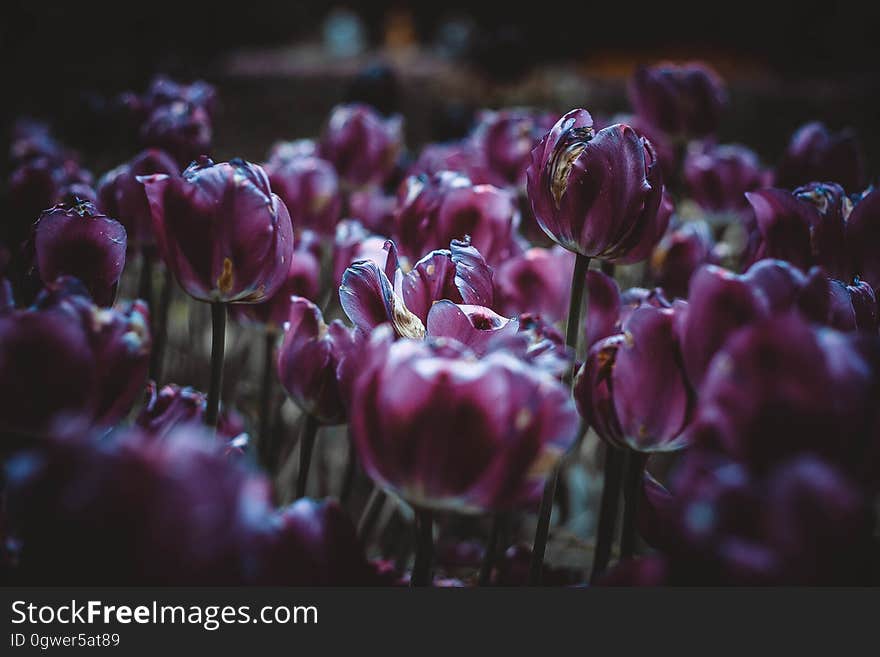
309 188
181 129
718 177
374 209
76 240
597 195
446 431
679 254
816 153
536 281
361 144
308 360
122 196
222 231
507 138
354 242
863 238
682 100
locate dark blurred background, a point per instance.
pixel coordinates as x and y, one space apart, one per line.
280 65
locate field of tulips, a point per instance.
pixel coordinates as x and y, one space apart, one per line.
566 350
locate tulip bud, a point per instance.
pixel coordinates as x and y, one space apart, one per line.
536 281
679 254
465 158
361 144
121 195
308 359
374 209
309 188
816 153
222 231
76 240
863 238
682 100
507 138
353 242
597 195
181 129
718 177
445 431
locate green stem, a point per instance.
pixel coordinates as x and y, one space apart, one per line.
218 346
542 532
607 510
266 448
306 447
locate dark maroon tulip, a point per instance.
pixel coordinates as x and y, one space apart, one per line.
536 281
632 388
222 231
473 326
465 158
354 242
780 387
446 431
374 209
718 177
165 91
852 307
863 238
308 359
369 297
33 140
76 240
816 153
804 227
434 211
173 407
682 100
668 155
181 129
309 188
283 151
303 280
361 144
507 138
65 356
314 543
597 195
122 196
678 255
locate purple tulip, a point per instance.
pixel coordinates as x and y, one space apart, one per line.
121 195
361 144
76 240
165 91
309 188
370 298
679 254
852 307
308 359
682 100
374 209
536 281
816 153
632 388
303 280
353 242
172 408
863 238
282 151
597 195
67 357
181 129
507 138
222 231
718 177
465 158
446 431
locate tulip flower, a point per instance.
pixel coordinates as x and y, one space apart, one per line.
67 357
536 281
374 209
308 359
226 237
433 212
718 177
354 242
309 188
679 254
507 138
181 129
863 238
465 158
816 153
414 402
597 195
76 240
361 144
682 100
165 91
282 151
121 195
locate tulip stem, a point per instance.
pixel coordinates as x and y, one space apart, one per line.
421 572
607 510
266 448
349 475
498 522
572 331
608 268
306 447
370 515
145 284
633 477
160 323
218 346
